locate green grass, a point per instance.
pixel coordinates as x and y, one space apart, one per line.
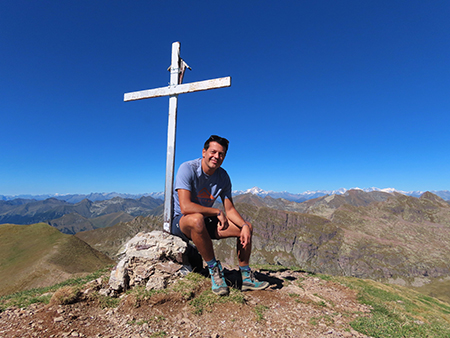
193 288
108 302
188 285
259 312
325 318
206 300
398 311
43 295
185 289
141 294
324 277
437 288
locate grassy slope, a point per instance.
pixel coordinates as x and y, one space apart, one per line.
437 288
398 311
38 255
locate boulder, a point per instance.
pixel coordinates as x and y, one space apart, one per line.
152 259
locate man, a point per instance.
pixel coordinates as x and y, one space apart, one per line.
197 185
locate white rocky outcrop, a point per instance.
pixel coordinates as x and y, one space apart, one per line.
152 259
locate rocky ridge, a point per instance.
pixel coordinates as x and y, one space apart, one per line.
377 235
368 235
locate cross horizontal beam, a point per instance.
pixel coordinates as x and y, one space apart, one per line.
179 89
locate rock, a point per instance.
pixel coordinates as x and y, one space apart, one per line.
105 292
154 246
151 259
58 319
157 282
169 267
119 277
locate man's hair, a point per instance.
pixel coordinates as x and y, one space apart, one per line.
214 138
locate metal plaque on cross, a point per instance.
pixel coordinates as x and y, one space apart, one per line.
175 88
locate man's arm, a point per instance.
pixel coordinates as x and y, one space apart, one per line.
236 218
232 214
188 207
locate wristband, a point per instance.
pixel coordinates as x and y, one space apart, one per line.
245 224
219 213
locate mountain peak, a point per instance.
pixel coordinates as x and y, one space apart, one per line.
256 191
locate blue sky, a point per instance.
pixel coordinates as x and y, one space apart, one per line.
324 95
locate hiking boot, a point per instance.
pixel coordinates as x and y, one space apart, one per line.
250 283
218 284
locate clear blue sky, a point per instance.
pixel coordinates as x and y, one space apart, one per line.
324 95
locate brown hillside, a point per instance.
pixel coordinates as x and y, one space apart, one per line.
39 255
109 240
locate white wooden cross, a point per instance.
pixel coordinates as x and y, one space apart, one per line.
173 90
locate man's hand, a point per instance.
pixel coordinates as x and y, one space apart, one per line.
223 222
245 235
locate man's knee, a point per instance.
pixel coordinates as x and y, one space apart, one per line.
195 222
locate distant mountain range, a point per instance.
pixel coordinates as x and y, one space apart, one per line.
307 195
71 218
301 197
75 198
74 213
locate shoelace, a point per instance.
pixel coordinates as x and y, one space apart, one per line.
251 276
217 275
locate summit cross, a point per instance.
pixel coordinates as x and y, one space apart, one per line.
177 68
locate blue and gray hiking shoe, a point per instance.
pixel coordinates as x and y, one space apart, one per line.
219 286
250 283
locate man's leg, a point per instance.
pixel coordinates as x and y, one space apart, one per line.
249 282
193 226
243 254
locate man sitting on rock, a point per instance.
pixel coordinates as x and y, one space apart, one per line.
197 185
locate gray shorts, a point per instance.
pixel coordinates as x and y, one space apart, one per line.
210 222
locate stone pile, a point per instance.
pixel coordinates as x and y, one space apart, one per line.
152 259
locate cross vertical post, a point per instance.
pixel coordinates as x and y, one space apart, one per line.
171 137
173 90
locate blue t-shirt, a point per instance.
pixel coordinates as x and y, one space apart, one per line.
204 188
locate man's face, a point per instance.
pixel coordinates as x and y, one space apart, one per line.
213 157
